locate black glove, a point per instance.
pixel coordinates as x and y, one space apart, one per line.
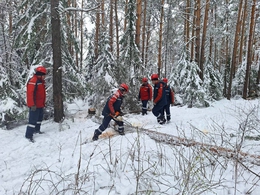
33 108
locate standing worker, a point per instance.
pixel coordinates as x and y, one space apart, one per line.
36 96
159 98
170 99
112 110
145 94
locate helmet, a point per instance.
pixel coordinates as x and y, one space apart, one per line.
40 70
165 80
154 77
124 87
144 79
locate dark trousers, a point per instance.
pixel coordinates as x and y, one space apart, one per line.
144 106
158 111
35 121
167 111
105 123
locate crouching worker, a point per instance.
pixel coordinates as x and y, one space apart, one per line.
112 110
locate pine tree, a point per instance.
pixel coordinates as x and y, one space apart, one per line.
188 83
129 67
213 82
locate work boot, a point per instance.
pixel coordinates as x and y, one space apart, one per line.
30 139
40 132
96 134
122 132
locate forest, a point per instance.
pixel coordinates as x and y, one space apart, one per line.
208 50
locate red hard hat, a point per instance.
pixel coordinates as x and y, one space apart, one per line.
144 79
124 86
154 77
165 80
40 70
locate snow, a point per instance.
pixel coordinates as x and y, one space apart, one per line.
57 163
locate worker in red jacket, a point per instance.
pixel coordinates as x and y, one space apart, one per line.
159 98
112 110
170 99
145 94
36 96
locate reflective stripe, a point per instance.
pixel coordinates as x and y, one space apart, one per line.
39 122
30 125
99 130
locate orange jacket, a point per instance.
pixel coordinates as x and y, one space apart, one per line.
145 92
36 93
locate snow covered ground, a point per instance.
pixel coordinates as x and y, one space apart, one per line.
57 163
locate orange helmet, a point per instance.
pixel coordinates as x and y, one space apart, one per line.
154 77
165 80
144 79
40 70
124 87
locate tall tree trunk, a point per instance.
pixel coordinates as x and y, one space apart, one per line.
187 25
57 63
227 57
193 34
69 27
233 64
103 14
250 47
125 22
111 24
203 41
97 33
75 52
197 42
160 40
148 36
138 22
242 38
81 35
143 34
117 32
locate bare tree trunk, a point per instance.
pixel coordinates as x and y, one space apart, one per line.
125 22
117 31
204 33
227 57
197 45
111 24
138 22
242 38
57 62
193 34
233 64
148 36
187 25
250 47
76 34
97 33
81 35
143 33
160 40
69 28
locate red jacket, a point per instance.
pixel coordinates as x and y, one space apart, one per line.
36 94
145 92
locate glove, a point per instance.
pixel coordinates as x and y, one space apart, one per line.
33 108
117 114
114 115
